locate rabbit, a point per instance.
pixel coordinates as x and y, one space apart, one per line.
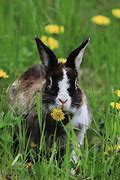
57 85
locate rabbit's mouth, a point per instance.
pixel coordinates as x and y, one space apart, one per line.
62 107
64 103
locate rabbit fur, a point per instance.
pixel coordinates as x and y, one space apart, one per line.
57 85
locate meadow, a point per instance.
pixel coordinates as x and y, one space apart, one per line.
20 22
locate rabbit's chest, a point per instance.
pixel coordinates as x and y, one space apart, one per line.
55 127
55 131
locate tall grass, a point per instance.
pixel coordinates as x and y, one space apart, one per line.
20 21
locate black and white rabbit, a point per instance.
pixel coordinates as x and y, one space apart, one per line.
58 86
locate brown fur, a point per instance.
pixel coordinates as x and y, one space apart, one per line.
22 93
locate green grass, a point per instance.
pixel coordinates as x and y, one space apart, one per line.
20 21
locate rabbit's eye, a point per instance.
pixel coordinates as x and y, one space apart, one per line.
49 85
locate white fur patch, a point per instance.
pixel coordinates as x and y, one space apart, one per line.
81 117
63 85
79 57
63 94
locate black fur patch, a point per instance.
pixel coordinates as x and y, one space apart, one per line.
72 76
47 56
50 94
74 91
71 58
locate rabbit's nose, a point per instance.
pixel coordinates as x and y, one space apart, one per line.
62 101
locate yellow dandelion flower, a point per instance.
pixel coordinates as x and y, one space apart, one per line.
28 165
54 29
112 104
108 150
33 145
57 114
118 93
53 43
117 147
111 149
3 74
118 106
116 13
101 20
44 39
62 60
50 41
115 105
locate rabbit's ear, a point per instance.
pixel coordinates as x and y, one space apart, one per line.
75 58
48 58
